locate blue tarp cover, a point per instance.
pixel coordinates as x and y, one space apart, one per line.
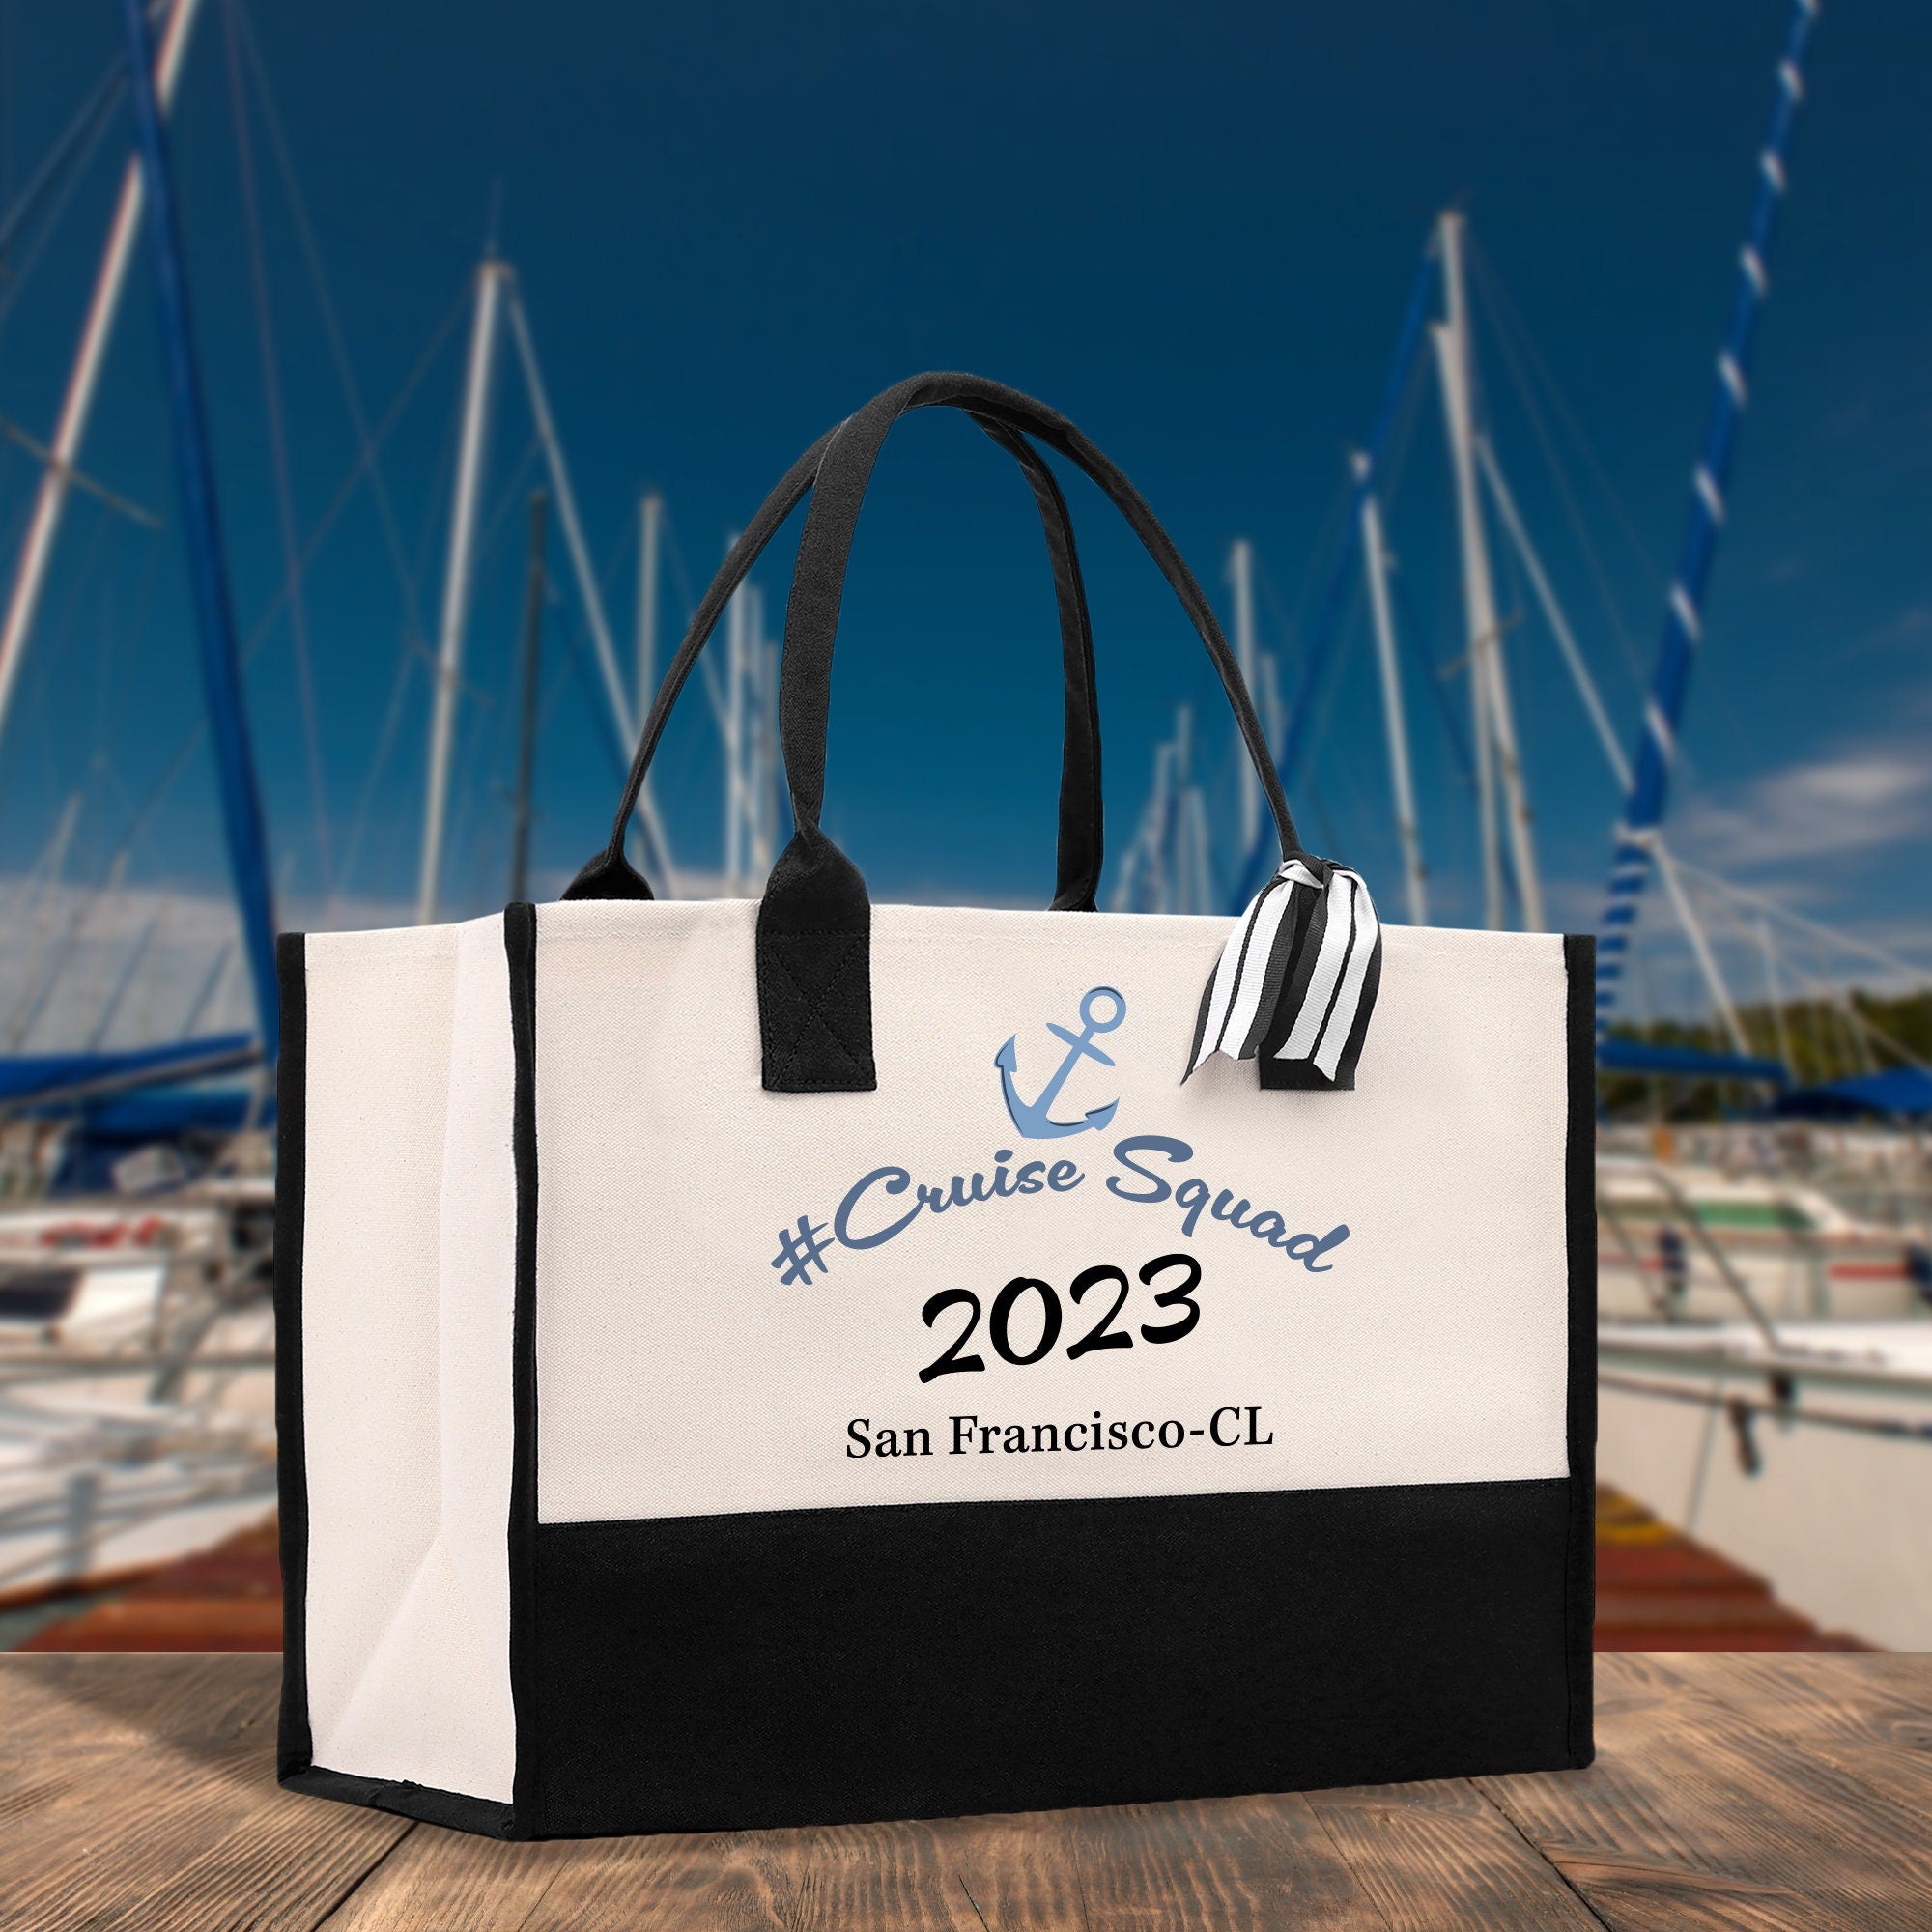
1642 1056
1902 1090
166 1113
109 1128
34 1076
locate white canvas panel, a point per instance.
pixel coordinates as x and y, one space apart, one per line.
408 1304
680 1374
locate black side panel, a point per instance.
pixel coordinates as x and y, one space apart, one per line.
294 1748
701 1674
1579 1182
520 941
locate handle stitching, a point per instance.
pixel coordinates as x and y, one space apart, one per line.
811 1005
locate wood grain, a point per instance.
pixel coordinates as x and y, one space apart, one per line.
1870 1720
1273 1863
1755 1794
936 1876
1695 1816
438 1881
744 1880
173 1819
1438 1855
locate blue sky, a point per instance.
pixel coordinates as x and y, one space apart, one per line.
1192 230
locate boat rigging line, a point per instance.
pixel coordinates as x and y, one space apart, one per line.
368 441
278 460
83 379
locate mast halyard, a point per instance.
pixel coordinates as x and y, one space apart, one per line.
1291 740
571 528
110 282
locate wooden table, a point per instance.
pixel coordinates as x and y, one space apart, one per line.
1731 1791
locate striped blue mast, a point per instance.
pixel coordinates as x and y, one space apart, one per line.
208 569
1637 836
1262 857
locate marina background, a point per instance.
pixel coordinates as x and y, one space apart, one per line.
1198 243
712 235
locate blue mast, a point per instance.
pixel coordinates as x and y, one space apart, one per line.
208 569
1684 614
1259 862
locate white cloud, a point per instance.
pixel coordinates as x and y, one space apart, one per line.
1858 802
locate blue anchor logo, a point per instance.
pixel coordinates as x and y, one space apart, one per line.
1033 1119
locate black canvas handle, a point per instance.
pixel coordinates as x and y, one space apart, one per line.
818 579
1081 844
814 922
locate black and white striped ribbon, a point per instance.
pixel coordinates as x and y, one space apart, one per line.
1298 979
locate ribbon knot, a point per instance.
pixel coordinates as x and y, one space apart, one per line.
1298 979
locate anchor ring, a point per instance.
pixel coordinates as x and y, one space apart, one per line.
1090 1020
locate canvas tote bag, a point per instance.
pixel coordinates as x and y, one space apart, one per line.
795 1361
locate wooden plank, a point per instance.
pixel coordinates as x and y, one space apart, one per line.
1435 1856
228 1598
438 1881
281 1864
1693 1815
75 1727
173 1819
935 1875
88 1704
1755 1794
1222 1863
740 1880
1658 1590
1214 1862
1871 1716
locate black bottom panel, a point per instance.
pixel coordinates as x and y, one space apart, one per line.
454 1809
823 1667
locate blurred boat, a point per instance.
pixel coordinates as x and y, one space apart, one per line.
137 1382
1691 1242
1805 1453
136 1410
1765 1356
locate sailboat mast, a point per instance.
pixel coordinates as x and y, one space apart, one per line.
527 721
83 378
1375 560
1684 608
1500 763
208 569
570 528
456 576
